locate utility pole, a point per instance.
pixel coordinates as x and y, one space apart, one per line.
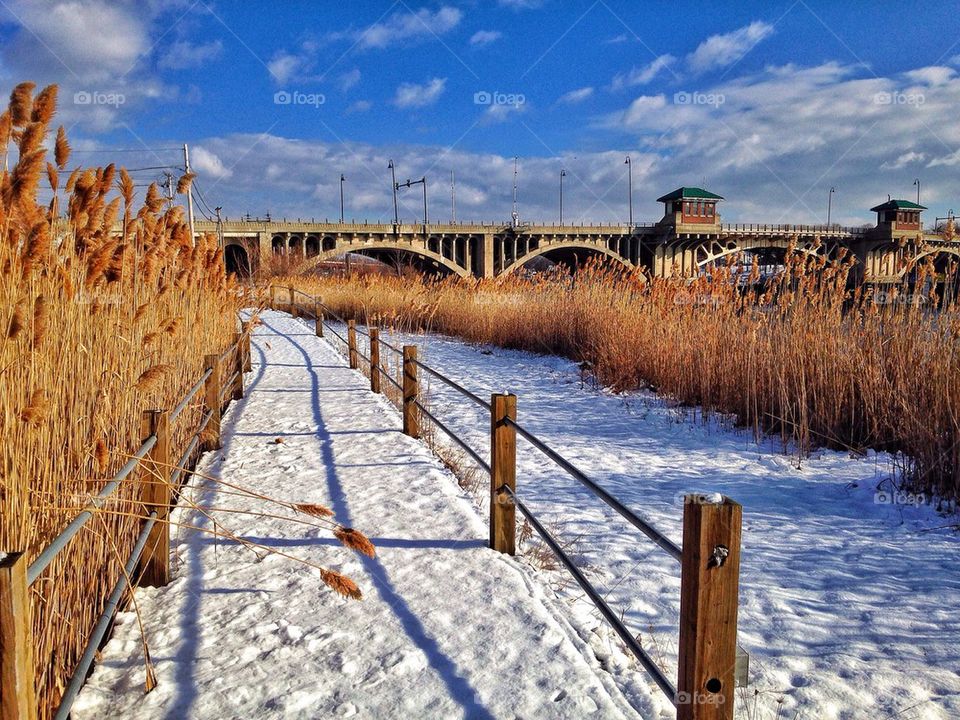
411 183
830 204
342 179
515 216
453 199
219 226
186 167
629 165
563 174
396 207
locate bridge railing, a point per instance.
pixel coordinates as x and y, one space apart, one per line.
709 557
770 229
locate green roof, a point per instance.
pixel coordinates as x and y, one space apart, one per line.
897 205
689 192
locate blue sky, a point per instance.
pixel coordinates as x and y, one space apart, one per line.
768 104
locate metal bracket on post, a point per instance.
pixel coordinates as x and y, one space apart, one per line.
503 472
709 590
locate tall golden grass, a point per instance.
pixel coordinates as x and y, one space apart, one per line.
95 327
800 355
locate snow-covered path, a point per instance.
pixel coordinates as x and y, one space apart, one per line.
849 607
447 627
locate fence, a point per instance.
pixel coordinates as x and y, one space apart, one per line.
149 562
709 660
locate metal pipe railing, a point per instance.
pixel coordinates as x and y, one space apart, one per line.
447 381
197 387
466 448
103 624
46 557
659 539
625 635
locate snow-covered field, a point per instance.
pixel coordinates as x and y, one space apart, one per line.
850 608
447 627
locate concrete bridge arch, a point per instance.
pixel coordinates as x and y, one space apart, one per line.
390 253
573 254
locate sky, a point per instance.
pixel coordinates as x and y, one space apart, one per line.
769 104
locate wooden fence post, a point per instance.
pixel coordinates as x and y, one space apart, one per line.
352 344
374 359
238 366
18 695
154 566
293 303
212 397
247 359
709 587
503 471
411 418
273 297
318 314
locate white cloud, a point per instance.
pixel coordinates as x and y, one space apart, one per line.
206 163
576 96
721 50
409 25
643 75
359 106
349 79
410 95
931 76
184 54
520 4
501 112
485 37
284 66
907 158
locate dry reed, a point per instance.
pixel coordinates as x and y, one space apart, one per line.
800 354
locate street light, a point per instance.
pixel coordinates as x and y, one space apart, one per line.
396 207
917 183
411 183
629 165
830 204
342 179
563 174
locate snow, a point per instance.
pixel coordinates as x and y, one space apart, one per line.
849 602
447 627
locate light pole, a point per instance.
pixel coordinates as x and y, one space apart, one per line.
396 208
515 215
830 204
629 165
563 174
411 183
453 199
917 183
342 179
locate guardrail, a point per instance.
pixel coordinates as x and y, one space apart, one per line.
710 663
149 562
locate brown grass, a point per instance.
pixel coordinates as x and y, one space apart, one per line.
800 355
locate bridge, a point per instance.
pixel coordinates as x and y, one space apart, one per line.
687 241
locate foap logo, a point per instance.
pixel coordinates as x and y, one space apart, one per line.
484 97
895 298
713 100
899 497
699 698
97 97
899 98
295 97
686 298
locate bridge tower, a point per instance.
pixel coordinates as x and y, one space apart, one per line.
690 218
897 236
